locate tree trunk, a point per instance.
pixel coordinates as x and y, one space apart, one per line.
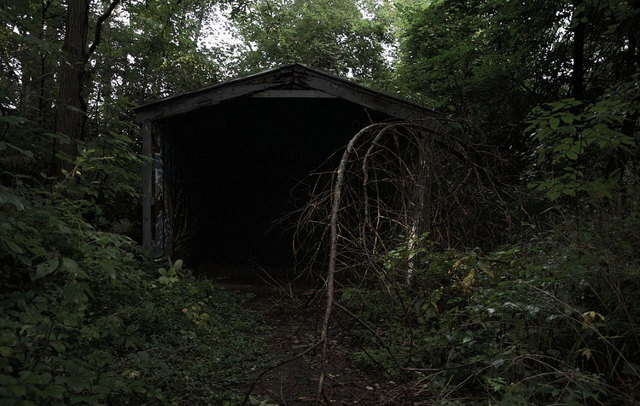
620 160
578 49
70 105
46 83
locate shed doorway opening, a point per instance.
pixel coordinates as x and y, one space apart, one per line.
237 168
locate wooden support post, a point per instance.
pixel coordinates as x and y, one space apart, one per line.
147 187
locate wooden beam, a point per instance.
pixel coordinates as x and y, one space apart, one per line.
293 94
365 97
147 186
210 97
368 98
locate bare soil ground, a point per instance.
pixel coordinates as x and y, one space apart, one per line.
295 321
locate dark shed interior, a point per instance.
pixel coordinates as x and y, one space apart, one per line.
233 169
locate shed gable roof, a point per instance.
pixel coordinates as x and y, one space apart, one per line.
297 81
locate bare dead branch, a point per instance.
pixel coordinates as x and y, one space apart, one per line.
395 183
98 32
335 207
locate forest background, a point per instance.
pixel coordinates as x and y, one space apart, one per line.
539 305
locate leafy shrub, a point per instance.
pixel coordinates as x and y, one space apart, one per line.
554 320
83 319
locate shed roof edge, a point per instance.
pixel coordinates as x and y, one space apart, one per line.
145 111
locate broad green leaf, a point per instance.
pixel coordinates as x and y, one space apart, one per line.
7 197
13 247
46 268
71 266
18 389
567 118
77 383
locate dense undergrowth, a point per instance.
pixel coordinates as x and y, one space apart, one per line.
553 320
547 311
84 319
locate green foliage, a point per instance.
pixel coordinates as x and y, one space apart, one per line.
81 320
343 37
488 64
477 60
83 323
544 322
30 44
159 51
583 147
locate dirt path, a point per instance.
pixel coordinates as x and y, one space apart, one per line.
295 328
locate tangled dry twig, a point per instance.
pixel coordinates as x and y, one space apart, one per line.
394 183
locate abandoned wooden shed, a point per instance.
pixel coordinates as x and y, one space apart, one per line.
223 160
